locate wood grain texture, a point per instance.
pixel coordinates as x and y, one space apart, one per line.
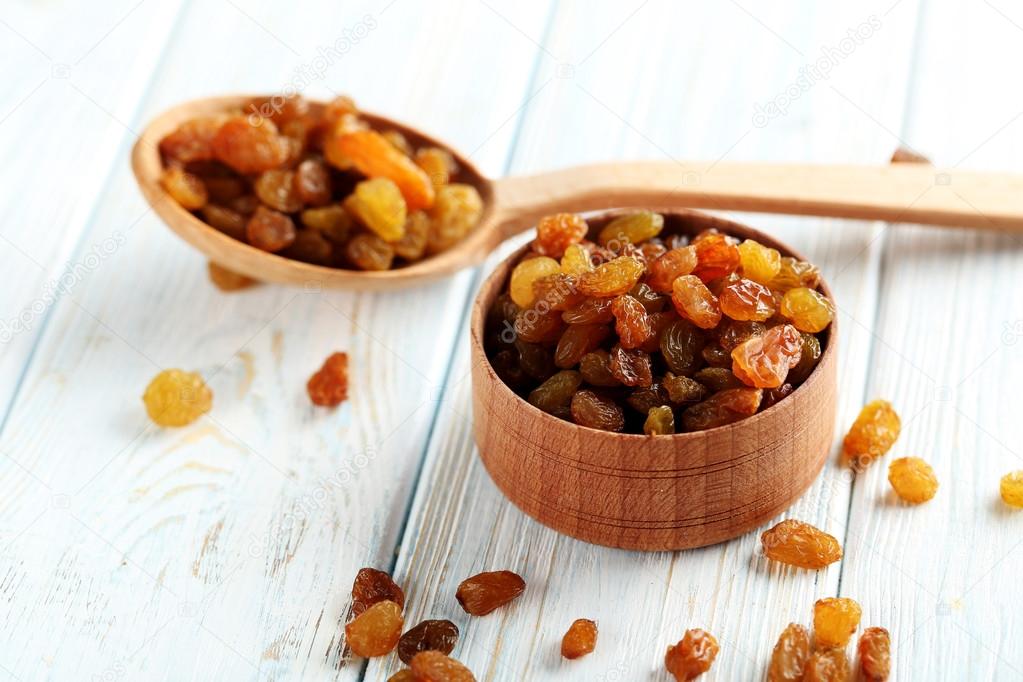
635 492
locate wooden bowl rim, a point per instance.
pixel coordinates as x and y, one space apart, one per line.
726 225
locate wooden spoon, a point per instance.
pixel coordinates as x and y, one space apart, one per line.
909 193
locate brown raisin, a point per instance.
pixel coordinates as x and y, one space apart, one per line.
577 341
682 389
429 635
631 321
276 189
644 399
226 220
485 592
228 280
874 648
269 230
372 586
312 182
723 407
718 379
680 344
580 639
433 666
631 367
250 144
590 311
595 369
692 656
376 630
367 251
192 140
186 189
310 246
538 326
329 385
554 396
799 544
597 412
808 359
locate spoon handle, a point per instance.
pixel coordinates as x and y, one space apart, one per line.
906 193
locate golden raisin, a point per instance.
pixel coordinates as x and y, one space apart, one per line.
874 649
276 189
455 212
367 251
829 665
633 228
177 398
228 280
485 592
590 311
433 666
808 310
694 301
1011 489
371 586
270 230
794 273
912 479
555 233
333 222
692 656
230 222
379 206
669 267
437 163
716 256
758 262
788 660
412 244
329 385
799 544
660 421
429 635
580 639
375 157
576 260
192 140
764 361
872 434
614 278
186 189
376 630
745 300
835 619
525 274
250 144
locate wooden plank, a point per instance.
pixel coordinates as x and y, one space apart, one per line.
226 550
944 576
56 71
629 88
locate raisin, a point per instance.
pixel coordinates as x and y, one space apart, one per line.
379 206
555 233
536 360
773 395
669 267
376 630
658 323
829 665
799 544
682 389
433 666
403 675
1011 489
484 592
506 366
764 361
718 379
631 367
692 656
906 155
758 262
659 422
228 280
186 189
577 341
716 256
788 660
716 356
874 648
310 247
597 412
644 399
222 190
652 301
280 109
835 619
595 369
245 204
333 221
538 326
794 273
430 635
398 141
633 228
557 292
438 164
872 434
576 260
225 220
177 398
680 344
412 244
724 407
808 310
455 212
652 250
250 146
808 359
276 189
375 157
913 479
367 251
312 182
192 140
746 300
613 278
731 333
329 385
525 274
694 301
555 395
269 230
590 311
631 321
371 586
579 640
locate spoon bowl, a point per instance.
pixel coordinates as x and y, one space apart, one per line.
905 192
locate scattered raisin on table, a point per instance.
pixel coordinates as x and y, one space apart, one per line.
874 649
827 665
345 195
430 635
433 666
372 586
328 387
792 651
835 619
692 655
484 592
872 434
912 479
175 397
580 639
375 631
660 332
1011 489
799 544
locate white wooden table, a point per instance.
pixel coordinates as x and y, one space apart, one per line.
226 550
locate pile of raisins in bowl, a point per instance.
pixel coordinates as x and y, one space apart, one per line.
631 327
318 184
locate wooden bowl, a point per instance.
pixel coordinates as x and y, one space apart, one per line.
652 493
